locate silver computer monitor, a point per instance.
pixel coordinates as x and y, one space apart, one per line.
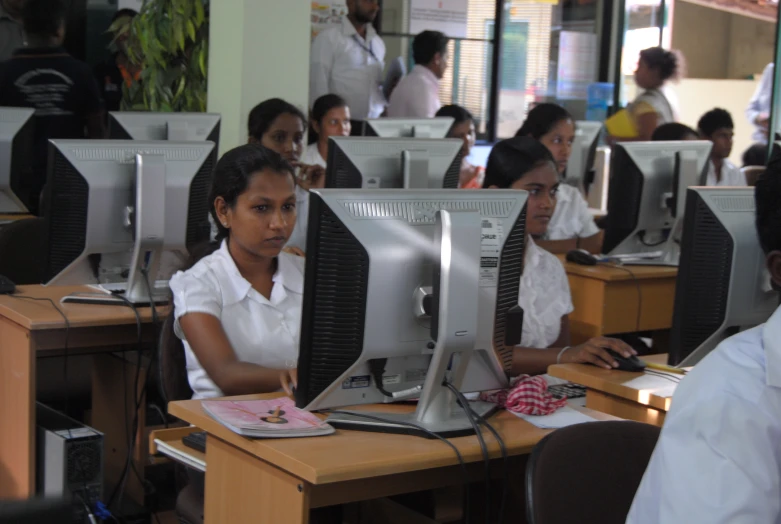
16 154
176 127
722 284
129 200
643 208
437 127
403 280
581 160
393 163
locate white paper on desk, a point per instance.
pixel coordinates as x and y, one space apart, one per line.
656 385
562 418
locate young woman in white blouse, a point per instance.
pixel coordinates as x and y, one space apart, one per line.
572 225
330 117
238 310
279 126
524 163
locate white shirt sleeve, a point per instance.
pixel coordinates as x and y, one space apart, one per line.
588 228
194 293
716 462
765 86
321 62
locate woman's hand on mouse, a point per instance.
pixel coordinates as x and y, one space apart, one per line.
595 352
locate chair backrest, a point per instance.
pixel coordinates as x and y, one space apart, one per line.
752 173
588 472
172 372
23 251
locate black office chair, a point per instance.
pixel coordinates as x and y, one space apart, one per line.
23 251
588 472
173 386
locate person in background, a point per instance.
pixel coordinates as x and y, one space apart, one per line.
717 126
674 132
755 155
758 110
471 177
279 126
524 163
718 458
61 89
117 69
330 117
417 95
11 29
572 226
349 61
655 105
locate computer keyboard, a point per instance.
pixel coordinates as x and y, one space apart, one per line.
568 391
196 441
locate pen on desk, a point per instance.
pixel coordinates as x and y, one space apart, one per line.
668 369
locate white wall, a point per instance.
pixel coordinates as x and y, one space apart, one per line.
258 49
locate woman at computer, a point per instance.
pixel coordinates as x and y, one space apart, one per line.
471 177
238 309
279 126
572 225
330 117
524 163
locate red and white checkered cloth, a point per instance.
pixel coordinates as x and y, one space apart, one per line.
527 395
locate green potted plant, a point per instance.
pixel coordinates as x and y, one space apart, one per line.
169 42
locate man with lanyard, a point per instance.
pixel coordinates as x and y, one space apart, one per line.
11 33
349 60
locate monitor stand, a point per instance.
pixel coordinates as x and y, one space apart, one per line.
454 327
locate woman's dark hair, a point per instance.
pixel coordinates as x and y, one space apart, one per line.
427 44
43 18
755 155
458 113
673 132
234 171
714 120
324 104
263 115
511 159
668 63
542 119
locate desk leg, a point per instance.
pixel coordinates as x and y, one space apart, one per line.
17 412
622 408
242 488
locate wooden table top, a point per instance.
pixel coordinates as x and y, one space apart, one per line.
352 455
612 381
14 216
40 315
610 273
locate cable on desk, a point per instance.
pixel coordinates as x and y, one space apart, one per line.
427 432
662 375
639 291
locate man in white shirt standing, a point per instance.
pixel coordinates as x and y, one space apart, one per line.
718 459
417 95
349 61
758 110
717 126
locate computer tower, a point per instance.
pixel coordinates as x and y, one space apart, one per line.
69 460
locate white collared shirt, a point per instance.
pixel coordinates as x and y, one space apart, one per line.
312 156
760 103
345 64
571 218
730 175
262 331
416 96
544 296
718 459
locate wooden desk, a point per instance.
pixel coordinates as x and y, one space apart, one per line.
606 299
607 393
281 480
5 219
30 329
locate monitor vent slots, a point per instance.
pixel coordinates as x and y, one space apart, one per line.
123 154
735 203
510 270
198 227
424 212
453 173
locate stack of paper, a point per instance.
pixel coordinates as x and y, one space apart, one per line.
655 384
563 417
277 418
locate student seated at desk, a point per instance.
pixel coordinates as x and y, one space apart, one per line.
279 126
718 459
330 117
524 163
572 225
471 177
717 126
238 310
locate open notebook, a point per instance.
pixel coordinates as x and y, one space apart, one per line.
277 418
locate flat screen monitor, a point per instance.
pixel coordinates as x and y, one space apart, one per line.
403 289
723 286
643 205
16 166
130 200
393 163
581 160
437 127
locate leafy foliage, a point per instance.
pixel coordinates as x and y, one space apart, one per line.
169 41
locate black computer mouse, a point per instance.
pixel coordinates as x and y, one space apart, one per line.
582 257
627 364
6 286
